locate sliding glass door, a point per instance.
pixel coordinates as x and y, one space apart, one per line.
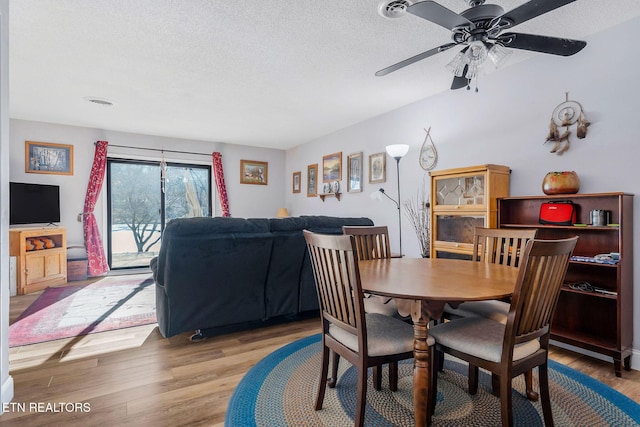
142 197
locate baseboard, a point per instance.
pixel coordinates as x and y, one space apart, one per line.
635 353
7 392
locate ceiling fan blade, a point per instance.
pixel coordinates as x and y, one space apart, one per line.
460 82
413 59
438 14
532 9
544 44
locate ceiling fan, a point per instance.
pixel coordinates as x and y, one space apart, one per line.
480 29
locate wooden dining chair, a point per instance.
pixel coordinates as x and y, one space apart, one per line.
364 339
508 350
496 246
372 242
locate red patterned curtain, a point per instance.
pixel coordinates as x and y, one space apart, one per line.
220 185
98 265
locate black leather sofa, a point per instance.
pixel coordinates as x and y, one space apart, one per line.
215 275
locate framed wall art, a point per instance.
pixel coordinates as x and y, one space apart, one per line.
297 179
354 172
332 167
45 157
312 180
378 168
254 172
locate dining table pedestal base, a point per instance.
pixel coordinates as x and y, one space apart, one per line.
421 314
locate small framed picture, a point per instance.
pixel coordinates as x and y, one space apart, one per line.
297 177
254 172
377 168
45 157
312 180
354 171
332 167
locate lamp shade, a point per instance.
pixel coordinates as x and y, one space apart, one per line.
397 151
282 213
377 195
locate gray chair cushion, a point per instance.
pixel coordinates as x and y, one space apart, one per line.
479 337
385 335
381 305
491 309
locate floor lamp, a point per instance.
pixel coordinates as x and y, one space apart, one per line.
397 151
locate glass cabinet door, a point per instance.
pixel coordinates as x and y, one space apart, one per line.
460 190
454 233
457 228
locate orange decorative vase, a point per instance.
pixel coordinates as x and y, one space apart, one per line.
566 182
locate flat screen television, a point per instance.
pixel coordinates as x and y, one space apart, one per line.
33 203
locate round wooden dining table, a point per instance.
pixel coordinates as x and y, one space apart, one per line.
422 286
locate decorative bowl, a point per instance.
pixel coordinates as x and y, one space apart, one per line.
566 182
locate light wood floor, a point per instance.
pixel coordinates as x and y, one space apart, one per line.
135 377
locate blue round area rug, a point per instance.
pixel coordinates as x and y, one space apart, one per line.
281 391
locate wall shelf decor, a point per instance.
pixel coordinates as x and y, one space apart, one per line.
296 182
312 180
45 157
323 195
428 154
565 115
332 167
254 172
378 168
354 172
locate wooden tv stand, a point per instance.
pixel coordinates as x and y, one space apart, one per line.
38 269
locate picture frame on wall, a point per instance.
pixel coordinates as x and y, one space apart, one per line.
49 158
297 180
378 168
354 172
254 172
332 167
312 180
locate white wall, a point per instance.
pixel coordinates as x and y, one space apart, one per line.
505 123
245 200
6 381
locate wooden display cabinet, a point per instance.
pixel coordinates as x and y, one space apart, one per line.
599 321
463 199
38 269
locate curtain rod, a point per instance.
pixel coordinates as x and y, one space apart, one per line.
157 149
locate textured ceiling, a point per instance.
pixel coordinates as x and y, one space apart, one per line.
271 74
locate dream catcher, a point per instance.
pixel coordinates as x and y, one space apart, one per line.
564 116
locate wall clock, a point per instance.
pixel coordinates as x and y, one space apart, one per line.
428 154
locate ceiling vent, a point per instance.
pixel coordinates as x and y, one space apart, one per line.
99 101
393 8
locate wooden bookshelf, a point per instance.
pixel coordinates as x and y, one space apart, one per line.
602 321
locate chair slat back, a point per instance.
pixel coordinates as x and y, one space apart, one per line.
543 269
372 242
337 277
501 246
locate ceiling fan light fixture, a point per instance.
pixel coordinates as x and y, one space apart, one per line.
498 54
477 53
472 72
456 66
